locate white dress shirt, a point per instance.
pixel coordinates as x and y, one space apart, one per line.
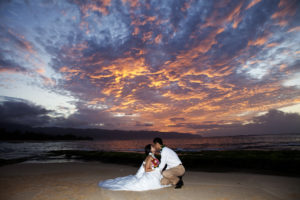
169 157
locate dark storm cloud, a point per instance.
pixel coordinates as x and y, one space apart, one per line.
85 118
273 122
277 122
91 117
20 111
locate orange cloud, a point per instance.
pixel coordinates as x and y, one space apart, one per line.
158 38
120 70
9 70
252 3
136 31
41 71
296 29
133 3
23 43
282 67
96 7
273 44
48 81
69 73
186 88
259 41
147 36
234 16
287 8
185 6
96 101
204 46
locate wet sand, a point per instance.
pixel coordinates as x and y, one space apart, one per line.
79 181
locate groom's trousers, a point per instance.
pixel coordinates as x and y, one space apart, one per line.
170 176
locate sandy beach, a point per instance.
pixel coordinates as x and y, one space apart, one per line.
78 181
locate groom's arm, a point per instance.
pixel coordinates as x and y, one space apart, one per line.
163 161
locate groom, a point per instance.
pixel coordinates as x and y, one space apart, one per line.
175 170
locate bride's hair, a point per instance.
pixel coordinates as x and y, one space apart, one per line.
147 149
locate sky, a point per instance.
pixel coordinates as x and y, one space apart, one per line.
203 67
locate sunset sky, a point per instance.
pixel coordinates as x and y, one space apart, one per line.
208 67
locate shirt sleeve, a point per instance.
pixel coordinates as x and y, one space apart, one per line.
163 160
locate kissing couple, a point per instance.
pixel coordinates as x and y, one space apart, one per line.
152 174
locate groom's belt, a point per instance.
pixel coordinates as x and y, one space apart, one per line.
177 165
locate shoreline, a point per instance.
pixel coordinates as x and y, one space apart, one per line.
79 181
282 163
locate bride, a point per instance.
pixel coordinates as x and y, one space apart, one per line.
147 177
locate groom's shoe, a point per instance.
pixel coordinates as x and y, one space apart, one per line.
179 184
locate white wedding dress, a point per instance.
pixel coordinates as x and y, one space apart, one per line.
141 181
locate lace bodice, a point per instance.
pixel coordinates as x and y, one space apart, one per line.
154 162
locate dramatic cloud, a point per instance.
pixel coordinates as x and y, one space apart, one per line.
22 112
273 122
173 65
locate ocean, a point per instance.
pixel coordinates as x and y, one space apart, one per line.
38 150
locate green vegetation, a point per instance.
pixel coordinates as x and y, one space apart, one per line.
266 162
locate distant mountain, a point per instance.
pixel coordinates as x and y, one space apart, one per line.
10 132
97 134
14 127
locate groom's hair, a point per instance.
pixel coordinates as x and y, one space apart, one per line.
158 140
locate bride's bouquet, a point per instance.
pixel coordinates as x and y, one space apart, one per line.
155 162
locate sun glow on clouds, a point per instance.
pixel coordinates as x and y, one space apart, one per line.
157 65
293 81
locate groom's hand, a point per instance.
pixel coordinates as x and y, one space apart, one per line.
165 167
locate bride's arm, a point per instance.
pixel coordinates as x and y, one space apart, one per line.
148 167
